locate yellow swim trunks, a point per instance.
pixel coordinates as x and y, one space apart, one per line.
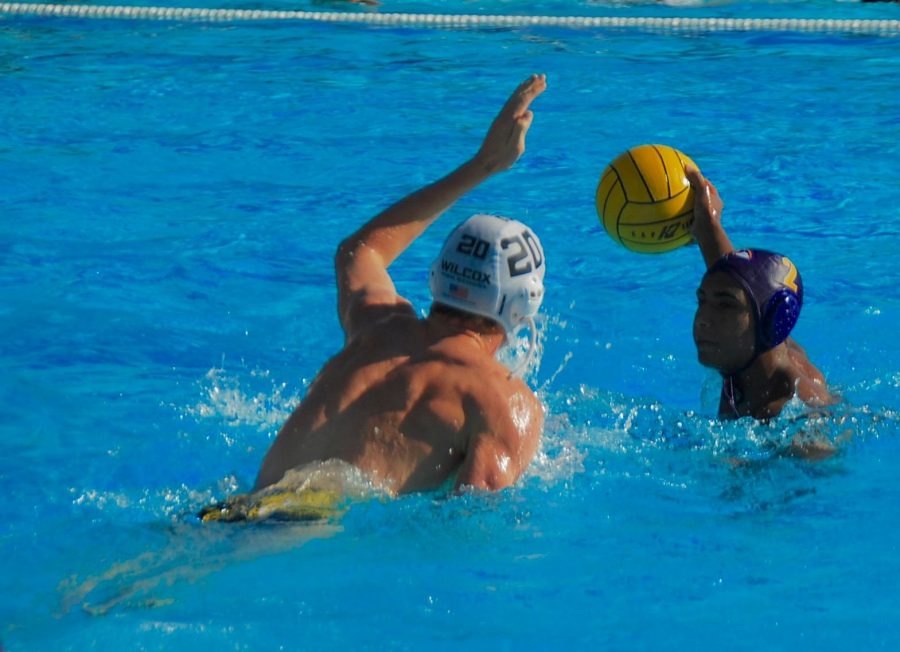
306 504
316 492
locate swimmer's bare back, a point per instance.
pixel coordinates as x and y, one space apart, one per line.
412 406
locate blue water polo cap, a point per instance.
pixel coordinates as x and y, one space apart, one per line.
774 287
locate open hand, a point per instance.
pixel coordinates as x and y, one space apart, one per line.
505 140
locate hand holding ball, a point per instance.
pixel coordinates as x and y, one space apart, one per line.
644 199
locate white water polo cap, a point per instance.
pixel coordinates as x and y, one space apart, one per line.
491 266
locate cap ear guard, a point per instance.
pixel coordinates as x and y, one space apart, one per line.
774 287
779 318
522 303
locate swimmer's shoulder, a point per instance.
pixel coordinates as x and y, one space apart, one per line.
785 387
381 319
807 380
803 366
507 396
395 330
814 392
478 377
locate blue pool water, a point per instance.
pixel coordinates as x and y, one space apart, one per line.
170 196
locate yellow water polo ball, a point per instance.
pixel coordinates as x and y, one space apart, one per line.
644 199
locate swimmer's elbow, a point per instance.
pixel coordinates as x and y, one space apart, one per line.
483 475
359 257
345 252
489 483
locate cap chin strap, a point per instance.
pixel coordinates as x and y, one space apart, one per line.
734 397
731 395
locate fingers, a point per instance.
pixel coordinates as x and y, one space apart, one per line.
694 177
700 184
520 128
505 139
531 87
521 99
524 122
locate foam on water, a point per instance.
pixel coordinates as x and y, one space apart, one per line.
224 399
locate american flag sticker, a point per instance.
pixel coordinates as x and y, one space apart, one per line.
458 291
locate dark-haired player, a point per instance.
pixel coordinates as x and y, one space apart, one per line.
747 304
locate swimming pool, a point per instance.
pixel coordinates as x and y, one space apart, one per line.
172 192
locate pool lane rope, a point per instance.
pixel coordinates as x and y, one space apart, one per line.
817 25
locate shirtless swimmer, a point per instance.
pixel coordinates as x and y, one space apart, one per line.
412 402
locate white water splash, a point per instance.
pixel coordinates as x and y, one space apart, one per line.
170 502
224 398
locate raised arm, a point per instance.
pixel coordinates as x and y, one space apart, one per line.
707 228
365 289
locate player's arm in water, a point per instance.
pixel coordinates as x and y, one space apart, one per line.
366 292
814 443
